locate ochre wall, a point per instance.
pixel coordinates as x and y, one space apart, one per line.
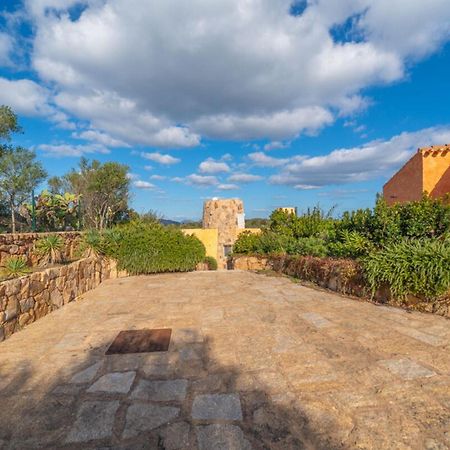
209 237
406 184
436 172
427 171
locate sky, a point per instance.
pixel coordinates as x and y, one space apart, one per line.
278 102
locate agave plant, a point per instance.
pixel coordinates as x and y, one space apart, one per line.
14 267
90 245
49 248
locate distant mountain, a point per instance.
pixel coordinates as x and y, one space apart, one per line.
169 222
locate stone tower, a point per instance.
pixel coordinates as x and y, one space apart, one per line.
227 216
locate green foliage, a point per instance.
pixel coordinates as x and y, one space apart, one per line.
385 224
350 244
211 262
247 243
314 222
104 192
49 247
8 123
14 267
54 212
142 247
20 173
420 267
309 246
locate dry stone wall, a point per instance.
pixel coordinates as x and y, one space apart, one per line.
22 244
26 299
344 276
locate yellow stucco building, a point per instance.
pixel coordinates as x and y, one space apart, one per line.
223 221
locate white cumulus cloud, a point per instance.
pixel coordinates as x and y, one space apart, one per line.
212 166
166 160
379 158
140 184
165 73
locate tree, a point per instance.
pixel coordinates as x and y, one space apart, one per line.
54 212
103 188
20 173
8 123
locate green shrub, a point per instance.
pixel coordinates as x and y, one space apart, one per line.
309 246
49 248
314 222
211 262
247 242
351 244
14 267
142 247
418 267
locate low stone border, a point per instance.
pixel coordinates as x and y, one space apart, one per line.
344 276
26 299
22 244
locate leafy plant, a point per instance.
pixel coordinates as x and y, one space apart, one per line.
211 262
54 211
351 244
14 267
418 267
49 248
246 243
142 247
309 246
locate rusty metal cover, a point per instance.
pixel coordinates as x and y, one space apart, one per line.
141 341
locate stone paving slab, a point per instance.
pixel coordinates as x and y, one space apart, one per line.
254 362
161 391
221 437
407 369
95 420
217 407
113 383
142 417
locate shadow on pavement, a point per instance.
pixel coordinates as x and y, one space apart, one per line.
78 408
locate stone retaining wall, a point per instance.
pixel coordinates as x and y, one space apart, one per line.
26 299
22 244
344 276
251 263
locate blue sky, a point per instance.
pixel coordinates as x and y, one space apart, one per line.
280 104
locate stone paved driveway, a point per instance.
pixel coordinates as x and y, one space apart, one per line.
254 362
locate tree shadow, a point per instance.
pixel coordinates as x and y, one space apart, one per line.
40 405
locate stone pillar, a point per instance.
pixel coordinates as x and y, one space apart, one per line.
227 215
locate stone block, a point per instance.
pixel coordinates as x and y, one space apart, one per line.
95 420
86 375
142 417
26 305
161 391
113 383
217 407
223 437
175 436
56 298
406 369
